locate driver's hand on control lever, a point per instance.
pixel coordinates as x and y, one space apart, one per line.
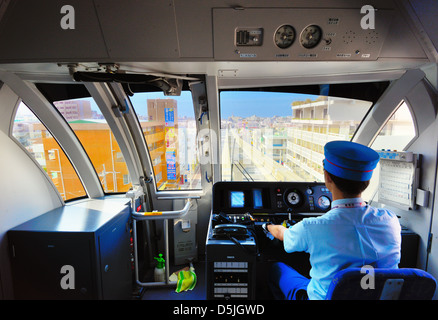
274 231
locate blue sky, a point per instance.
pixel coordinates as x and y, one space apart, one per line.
262 104
240 103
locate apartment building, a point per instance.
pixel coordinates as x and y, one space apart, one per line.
160 131
314 123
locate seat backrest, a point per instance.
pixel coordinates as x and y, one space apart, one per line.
382 284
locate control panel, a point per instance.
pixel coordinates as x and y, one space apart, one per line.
297 34
277 198
235 240
395 155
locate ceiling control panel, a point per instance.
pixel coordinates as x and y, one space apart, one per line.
298 34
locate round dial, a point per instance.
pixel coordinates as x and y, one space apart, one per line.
311 36
324 202
284 36
293 198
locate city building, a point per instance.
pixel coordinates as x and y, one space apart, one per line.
315 123
161 131
75 109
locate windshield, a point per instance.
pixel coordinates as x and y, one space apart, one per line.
272 136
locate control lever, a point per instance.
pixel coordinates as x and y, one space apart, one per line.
220 218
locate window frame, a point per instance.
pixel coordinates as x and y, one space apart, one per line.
155 191
55 123
371 192
110 99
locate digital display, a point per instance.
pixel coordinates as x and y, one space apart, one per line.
237 199
257 197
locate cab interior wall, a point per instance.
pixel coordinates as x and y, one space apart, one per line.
421 98
26 190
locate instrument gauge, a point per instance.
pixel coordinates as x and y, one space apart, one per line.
293 198
311 36
284 36
324 202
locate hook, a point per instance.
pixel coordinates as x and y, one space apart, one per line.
206 177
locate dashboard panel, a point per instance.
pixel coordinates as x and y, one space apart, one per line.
271 198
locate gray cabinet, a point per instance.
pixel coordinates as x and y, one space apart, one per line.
74 252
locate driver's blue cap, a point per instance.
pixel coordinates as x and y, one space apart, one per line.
350 160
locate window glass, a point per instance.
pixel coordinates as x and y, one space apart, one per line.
94 133
272 136
397 133
34 136
169 127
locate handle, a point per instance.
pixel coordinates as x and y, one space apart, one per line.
162 215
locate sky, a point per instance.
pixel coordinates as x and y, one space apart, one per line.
262 104
238 103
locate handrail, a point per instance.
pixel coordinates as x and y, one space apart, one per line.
154 215
161 215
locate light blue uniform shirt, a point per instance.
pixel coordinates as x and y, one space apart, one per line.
345 237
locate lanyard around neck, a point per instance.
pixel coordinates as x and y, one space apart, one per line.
351 205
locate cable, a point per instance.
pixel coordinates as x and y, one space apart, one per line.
237 243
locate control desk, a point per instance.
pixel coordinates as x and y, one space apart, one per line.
238 253
236 248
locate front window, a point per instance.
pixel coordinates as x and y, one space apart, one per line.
272 136
169 127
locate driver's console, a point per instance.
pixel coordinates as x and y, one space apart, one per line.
238 253
236 247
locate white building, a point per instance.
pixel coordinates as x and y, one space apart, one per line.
316 123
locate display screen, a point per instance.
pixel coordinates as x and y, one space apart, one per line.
237 199
257 197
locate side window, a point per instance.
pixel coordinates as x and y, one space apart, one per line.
169 127
34 136
398 131
94 133
396 134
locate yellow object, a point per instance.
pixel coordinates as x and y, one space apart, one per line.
186 280
153 213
